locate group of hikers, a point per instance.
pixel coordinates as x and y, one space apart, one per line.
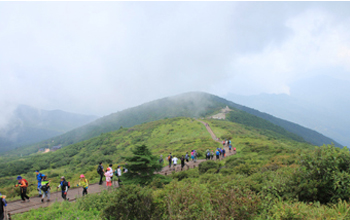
219 152
109 173
43 184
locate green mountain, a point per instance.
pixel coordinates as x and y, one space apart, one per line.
29 125
193 104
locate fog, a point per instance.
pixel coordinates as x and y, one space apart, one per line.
102 57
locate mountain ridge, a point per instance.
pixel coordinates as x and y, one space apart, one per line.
191 104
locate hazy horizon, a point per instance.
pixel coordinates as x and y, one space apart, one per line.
96 58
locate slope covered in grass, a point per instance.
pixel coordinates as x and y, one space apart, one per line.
270 177
176 135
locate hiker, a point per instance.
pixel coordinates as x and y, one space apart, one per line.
111 171
169 159
207 155
161 161
182 162
39 177
195 156
3 204
211 155
229 142
186 157
192 155
124 168
45 187
223 152
223 143
64 185
230 147
23 184
108 177
217 154
101 172
175 161
84 183
119 174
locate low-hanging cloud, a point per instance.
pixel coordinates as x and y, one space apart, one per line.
100 57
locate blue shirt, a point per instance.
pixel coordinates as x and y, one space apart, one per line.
39 177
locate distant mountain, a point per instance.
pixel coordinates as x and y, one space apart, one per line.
193 104
319 103
29 125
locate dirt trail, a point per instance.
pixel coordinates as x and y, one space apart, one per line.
15 207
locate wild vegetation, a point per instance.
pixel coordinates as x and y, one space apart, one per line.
253 184
274 175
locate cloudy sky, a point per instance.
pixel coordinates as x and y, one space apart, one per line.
101 57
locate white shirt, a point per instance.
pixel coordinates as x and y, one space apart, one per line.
119 172
175 160
110 171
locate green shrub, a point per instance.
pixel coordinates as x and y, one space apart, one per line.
324 175
205 166
130 202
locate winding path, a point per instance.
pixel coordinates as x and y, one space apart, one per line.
16 207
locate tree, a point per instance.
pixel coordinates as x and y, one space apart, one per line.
141 166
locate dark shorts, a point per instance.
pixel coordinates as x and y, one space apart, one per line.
217 156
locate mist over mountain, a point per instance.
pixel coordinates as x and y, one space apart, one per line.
27 125
192 104
319 103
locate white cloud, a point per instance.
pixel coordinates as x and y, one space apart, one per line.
318 41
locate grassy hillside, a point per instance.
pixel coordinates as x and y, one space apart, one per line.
176 135
271 177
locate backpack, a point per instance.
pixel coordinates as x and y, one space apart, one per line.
99 169
44 188
169 157
68 184
26 182
208 154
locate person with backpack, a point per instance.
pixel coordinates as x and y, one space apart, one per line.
186 157
108 177
207 155
217 154
211 154
64 185
229 148
45 187
182 162
223 152
23 184
161 161
83 183
39 177
101 172
195 156
3 204
119 174
192 155
170 159
125 170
